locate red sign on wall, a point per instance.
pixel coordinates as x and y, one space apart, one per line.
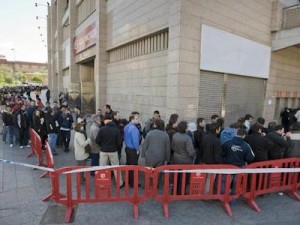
85 38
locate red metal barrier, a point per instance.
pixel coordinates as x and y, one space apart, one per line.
36 146
49 160
100 188
266 183
202 185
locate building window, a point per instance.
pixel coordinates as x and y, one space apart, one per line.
146 45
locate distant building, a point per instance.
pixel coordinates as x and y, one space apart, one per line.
193 57
29 69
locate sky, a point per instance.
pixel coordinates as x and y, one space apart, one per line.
19 30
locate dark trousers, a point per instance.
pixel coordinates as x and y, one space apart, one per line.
65 137
23 136
94 161
131 159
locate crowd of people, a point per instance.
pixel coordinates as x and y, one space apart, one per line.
177 142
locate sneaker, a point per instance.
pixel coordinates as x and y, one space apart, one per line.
54 153
27 146
21 146
11 145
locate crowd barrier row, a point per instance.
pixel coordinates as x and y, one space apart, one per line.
172 183
167 183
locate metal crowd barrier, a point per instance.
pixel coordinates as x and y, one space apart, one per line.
180 184
36 146
265 183
49 160
100 188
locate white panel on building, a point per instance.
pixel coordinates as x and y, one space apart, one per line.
228 53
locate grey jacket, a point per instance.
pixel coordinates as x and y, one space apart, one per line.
156 147
93 134
184 151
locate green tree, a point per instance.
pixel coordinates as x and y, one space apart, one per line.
8 80
6 75
21 77
37 79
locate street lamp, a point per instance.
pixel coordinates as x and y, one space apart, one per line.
37 4
14 66
41 17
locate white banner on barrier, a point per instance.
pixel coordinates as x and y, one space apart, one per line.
214 171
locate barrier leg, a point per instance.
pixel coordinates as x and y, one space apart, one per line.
136 211
30 154
47 198
166 210
44 174
253 205
294 195
227 208
53 196
68 214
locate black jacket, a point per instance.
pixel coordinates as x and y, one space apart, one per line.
260 146
280 145
211 149
109 138
7 118
237 152
198 137
52 124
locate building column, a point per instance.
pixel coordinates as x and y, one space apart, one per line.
101 55
74 87
183 63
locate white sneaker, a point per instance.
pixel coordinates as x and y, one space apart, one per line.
21 146
27 146
11 145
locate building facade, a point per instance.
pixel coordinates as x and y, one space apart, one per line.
192 57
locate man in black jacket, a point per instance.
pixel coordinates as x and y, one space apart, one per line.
198 138
7 117
260 145
280 142
211 146
236 151
109 139
23 126
52 130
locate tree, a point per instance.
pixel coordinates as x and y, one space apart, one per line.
37 79
8 80
6 75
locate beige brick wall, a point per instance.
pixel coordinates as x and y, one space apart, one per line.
138 84
130 19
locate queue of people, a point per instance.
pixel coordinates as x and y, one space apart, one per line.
177 142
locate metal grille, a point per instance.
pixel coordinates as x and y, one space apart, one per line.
244 95
211 94
291 17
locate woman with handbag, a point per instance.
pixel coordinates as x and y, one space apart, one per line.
81 147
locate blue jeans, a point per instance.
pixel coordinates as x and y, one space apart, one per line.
94 161
232 184
4 132
16 134
10 131
52 141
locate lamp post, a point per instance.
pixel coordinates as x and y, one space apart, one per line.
14 66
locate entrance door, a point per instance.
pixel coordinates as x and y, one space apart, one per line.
87 87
